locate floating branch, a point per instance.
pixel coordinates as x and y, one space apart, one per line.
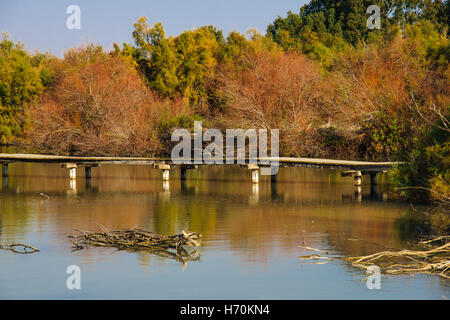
315 258
169 246
19 248
436 260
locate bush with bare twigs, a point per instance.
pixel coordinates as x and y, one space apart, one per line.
99 106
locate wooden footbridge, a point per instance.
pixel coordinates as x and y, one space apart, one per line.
356 169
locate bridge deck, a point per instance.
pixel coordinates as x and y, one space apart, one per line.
283 161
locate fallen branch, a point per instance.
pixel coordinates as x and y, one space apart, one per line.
26 249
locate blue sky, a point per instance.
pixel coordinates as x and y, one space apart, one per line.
41 24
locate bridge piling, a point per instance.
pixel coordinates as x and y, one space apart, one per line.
255 176
4 170
73 173
72 169
183 173
255 172
165 175
373 179
273 178
165 168
357 178
88 172
184 168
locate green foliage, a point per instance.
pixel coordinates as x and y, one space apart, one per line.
180 65
387 134
184 121
427 164
169 122
335 23
20 83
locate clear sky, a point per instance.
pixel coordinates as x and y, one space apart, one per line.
41 24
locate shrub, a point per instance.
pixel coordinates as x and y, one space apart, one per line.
99 106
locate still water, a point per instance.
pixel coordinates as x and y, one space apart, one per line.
251 234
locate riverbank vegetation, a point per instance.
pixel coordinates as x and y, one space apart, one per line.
331 85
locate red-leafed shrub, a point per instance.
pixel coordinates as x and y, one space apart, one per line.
99 106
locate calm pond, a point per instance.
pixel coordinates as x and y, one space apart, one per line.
251 234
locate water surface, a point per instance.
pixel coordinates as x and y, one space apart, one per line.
251 234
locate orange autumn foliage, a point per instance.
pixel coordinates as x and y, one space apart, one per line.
99 106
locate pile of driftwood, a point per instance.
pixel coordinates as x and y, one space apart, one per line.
434 259
170 246
19 248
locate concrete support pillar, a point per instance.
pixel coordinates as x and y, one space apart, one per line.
88 172
253 199
165 168
358 193
255 172
165 174
72 169
4 169
183 173
255 176
273 190
73 173
373 179
273 178
357 178
184 168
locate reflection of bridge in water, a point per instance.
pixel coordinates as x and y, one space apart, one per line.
288 191
356 169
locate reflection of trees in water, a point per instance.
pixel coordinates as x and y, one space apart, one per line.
410 225
381 230
403 232
253 221
14 213
184 213
276 219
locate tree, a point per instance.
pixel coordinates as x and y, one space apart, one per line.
346 19
20 84
180 65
